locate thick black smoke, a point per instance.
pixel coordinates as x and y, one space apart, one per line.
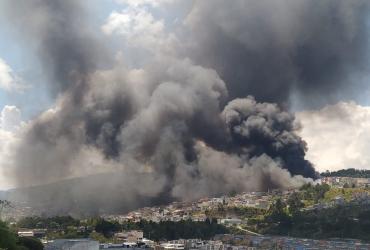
271 49
262 128
173 122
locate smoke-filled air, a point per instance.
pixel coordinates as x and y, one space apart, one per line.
200 108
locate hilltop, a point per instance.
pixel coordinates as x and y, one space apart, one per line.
350 172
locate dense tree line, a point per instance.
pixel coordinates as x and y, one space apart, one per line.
183 229
350 172
65 227
56 222
165 230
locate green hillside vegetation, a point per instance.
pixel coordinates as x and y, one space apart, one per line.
233 211
290 218
346 193
312 194
335 222
350 172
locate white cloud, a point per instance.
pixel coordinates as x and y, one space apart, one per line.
140 29
10 118
338 136
10 135
8 79
132 21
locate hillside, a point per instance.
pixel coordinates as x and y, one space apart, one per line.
350 172
85 196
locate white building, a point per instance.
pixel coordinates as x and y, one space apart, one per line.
172 246
26 233
230 221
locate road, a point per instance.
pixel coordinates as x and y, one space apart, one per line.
247 231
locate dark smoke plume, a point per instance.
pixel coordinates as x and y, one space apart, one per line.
173 123
271 49
264 128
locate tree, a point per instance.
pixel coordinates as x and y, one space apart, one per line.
7 238
350 172
4 204
30 243
276 211
232 193
295 203
319 191
106 228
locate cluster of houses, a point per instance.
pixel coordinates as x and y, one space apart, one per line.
361 198
249 242
132 239
196 211
18 210
219 242
345 182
